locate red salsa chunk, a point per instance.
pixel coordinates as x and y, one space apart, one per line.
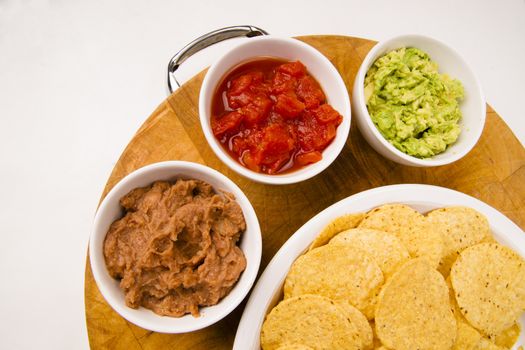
272 116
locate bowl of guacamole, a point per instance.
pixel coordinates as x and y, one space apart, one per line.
417 102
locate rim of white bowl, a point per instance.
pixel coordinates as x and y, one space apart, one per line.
450 158
98 266
311 170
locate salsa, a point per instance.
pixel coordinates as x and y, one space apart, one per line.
272 116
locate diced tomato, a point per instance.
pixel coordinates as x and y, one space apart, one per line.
276 165
292 130
272 151
252 115
314 135
263 103
309 91
282 83
243 89
241 100
308 158
251 162
288 106
326 114
322 136
238 145
277 139
296 69
257 110
326 136
306 127
242 83
227 123
253 138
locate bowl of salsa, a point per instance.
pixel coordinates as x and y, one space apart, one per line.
275 110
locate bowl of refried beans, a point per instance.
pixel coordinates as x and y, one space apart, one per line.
176 246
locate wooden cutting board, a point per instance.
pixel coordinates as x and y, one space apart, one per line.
494 172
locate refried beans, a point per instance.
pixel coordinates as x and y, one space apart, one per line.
176 248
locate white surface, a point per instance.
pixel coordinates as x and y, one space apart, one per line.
268 288
318 66
111 210
473 106
77 78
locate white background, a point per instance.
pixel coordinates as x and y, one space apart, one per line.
77 78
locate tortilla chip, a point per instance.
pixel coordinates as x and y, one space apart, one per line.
467 337
310 320
294 347
410 227
384 248
338 272
489 284
460 228
359 321
413 311
508 337
485 344
340 224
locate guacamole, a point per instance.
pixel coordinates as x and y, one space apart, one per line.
413 106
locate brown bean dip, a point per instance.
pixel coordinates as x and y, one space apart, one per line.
176 249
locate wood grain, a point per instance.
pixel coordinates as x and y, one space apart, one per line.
494 172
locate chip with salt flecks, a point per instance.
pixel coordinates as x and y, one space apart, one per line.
294 346
339 272
410 226
460 228
508 337
385 248
337 225
310 320
485 344
413 310
489 284
359 322
467 337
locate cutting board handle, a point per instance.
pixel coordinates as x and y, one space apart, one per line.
206 40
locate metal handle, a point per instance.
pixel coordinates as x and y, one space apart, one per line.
208 40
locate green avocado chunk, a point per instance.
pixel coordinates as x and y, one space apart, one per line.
413 106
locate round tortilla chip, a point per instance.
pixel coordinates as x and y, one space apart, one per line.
310 320
485 344
340 224
467 337
410 227
508 337
296 346
385 248
414 311
489 284
359 322
338 272
460 228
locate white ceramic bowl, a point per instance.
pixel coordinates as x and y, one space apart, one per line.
449 62
423 198
289 49
110 211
